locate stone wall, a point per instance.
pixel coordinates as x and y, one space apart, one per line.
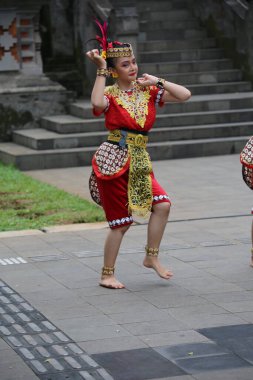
231 23
22 104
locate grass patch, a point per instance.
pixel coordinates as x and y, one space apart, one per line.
26 203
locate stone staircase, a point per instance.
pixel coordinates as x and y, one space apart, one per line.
216 120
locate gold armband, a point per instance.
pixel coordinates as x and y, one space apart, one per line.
103 72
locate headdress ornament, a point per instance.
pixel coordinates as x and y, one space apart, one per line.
109 50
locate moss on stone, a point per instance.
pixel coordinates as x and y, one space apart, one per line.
12 119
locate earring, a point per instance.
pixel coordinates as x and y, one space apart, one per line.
114 75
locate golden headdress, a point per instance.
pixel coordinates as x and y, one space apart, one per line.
113 49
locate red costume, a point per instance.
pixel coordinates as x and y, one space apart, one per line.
122 179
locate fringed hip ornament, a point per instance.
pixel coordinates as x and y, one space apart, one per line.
139 183
246 158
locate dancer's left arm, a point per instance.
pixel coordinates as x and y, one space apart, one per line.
173 92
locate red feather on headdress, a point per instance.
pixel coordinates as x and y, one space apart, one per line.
102 40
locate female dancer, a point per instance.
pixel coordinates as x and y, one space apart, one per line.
122 180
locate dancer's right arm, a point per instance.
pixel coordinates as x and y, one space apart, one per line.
97 96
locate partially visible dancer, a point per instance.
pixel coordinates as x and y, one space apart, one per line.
122 180
251 264
246 158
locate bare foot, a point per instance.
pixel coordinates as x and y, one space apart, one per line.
153 262
111 282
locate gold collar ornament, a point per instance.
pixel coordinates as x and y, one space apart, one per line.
135 102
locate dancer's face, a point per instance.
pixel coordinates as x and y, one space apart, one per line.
126 68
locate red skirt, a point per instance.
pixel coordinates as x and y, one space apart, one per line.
114 198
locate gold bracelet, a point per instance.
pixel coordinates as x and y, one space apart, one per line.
160 83
103 72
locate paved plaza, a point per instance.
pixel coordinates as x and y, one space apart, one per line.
57 323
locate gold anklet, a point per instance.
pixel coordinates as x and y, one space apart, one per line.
152 251
108 271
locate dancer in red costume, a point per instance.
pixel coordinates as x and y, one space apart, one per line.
246 158
122 180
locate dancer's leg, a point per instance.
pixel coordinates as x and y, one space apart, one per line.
156 227
111 250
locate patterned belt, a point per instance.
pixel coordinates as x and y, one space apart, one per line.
123 137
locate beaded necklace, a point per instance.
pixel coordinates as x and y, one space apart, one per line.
134 101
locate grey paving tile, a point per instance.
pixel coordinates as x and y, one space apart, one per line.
86 333
63 309
244 373
191 351
243 347
44 295
162 289
212 320
74 326
143 364
227 297
172 338
148 313
234 262
13 269
154 327
239 306
233 274
219 334
112 297
30 279
246 316
247 285
13 367
92 289
3 345
144 282
207 284
182 313
112 344
121 307
183 377
210 363
5 251
174 300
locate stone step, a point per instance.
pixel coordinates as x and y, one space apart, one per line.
165 15
196 148
208 131
62 126
71 124
175 34
181 55
197 103
203 118
165 5
210 102
185 66
219 88
204 77
42 139
161 45
28 159
146 25
81 109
